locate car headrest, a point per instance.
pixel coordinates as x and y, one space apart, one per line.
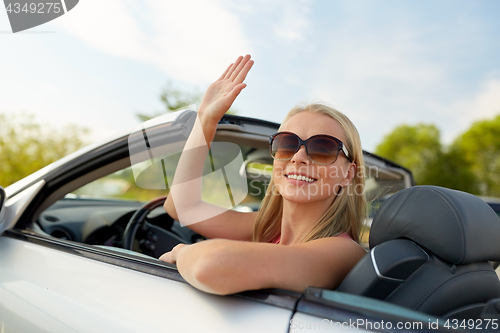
456 226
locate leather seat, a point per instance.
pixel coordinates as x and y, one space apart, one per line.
430 248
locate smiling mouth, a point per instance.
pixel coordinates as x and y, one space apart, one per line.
303 178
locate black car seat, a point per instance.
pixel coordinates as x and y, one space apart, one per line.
430 248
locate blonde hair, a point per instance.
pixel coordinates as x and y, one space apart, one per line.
347 212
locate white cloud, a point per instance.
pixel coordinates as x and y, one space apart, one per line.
404 71
191 40
385 82
484 104
294 22
379 80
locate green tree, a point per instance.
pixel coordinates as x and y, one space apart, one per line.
26 146
414 147
173 99
419 149
454 171
480 147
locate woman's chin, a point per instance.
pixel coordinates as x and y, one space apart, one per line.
303 192
306 198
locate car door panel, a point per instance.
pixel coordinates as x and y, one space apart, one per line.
46 290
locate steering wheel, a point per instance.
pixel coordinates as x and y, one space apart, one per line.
156 241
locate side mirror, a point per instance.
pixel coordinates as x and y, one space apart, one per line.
2 202
9 215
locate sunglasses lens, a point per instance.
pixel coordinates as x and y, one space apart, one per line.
323 150
284 146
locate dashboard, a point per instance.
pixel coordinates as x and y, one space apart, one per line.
103 221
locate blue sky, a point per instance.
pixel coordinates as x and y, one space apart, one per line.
383 63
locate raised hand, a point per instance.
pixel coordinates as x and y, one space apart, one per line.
221 94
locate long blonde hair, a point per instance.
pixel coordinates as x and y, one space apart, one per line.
347 212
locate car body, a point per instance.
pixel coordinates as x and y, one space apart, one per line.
494 203
63 267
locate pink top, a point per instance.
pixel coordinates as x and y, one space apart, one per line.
344 234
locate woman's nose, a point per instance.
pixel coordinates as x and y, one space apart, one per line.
301 156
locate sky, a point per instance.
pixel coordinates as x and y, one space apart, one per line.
383 63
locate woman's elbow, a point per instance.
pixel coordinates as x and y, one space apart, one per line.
207 279
170 209
209 274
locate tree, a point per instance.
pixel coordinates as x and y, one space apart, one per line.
414 147
452 170
174 99
419 149
480 147
26 146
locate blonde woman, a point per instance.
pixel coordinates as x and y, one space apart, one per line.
306 232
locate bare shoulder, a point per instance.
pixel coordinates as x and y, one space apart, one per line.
329 259
319 263
335 247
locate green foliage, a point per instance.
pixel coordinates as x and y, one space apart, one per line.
452 170
26 146
480 147
120 185
419 149
414 147
174 99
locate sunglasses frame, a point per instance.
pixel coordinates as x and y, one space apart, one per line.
304 143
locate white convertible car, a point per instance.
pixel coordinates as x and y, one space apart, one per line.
79 242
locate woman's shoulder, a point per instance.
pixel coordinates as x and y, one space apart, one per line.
337 238
339 243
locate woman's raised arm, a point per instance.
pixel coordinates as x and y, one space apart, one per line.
184 202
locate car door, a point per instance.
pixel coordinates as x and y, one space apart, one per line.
49 285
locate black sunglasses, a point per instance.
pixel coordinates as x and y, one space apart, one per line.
321 149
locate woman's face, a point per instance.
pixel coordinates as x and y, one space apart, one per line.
323 181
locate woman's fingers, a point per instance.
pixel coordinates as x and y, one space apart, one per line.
243 73
222 93
235 92
239 68
233 67
167 257
223 76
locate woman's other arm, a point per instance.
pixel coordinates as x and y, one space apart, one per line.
222 266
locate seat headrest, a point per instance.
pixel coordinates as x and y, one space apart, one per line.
456 226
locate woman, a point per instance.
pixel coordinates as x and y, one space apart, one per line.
313 209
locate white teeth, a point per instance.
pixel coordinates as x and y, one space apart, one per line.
299 177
